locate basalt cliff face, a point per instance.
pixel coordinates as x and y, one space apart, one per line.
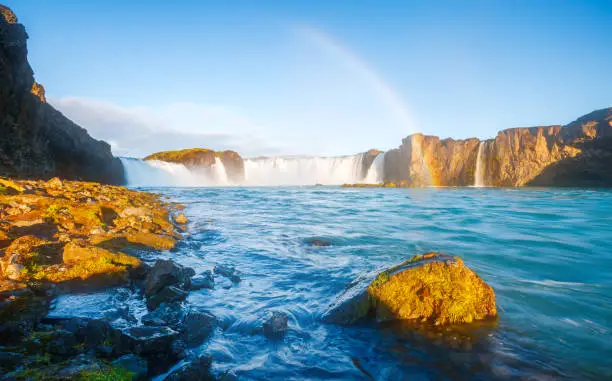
202 158
578 154
36 140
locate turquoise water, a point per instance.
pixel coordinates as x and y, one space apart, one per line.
547 253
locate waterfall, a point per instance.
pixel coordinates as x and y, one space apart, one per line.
479 175
259 171
376 171
161 173
219 173
296 170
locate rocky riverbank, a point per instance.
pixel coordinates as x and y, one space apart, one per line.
64 237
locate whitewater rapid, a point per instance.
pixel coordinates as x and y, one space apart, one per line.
258 171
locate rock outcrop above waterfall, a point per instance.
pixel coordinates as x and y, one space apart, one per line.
36 140
204 158
578 154
367 159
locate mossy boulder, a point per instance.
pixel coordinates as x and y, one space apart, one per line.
431 288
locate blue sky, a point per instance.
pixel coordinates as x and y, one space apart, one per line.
316 77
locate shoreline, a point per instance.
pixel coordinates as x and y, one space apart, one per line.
61 237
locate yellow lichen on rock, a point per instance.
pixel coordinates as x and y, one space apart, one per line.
440 290
69 231
430 288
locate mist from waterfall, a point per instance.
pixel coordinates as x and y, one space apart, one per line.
479 174
259 171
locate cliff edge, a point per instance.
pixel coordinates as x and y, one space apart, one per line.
577 154
36 140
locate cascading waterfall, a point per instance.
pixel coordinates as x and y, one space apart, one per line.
479 175
302 170
376 172
219 173
160 173
259 171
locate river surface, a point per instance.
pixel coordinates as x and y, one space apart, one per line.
547 254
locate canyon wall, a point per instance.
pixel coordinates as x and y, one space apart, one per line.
36 140
578 154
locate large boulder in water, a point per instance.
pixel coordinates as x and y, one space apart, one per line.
433 288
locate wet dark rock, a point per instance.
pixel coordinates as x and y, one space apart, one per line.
21 311
76 367
97 332
9 360
197 327
204 280
318 242
167 314
133 364
168 294
167 273
276 325
62 343
195 370
149 340
139 273
228 271
179 349
93 332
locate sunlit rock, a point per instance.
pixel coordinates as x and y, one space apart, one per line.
432 288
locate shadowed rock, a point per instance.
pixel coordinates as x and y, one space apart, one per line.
432 288
197 369
36 140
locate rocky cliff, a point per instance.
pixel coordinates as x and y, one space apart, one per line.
202 158
36 140
578 154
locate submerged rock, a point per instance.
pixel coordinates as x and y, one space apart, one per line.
433 288
276 325
197 327
321 242
229 272
204 280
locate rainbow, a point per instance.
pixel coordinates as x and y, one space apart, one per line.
386 93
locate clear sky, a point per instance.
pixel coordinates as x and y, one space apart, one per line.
316 77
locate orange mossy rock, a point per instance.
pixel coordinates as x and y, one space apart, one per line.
38 90
431 288
7 14
181 219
